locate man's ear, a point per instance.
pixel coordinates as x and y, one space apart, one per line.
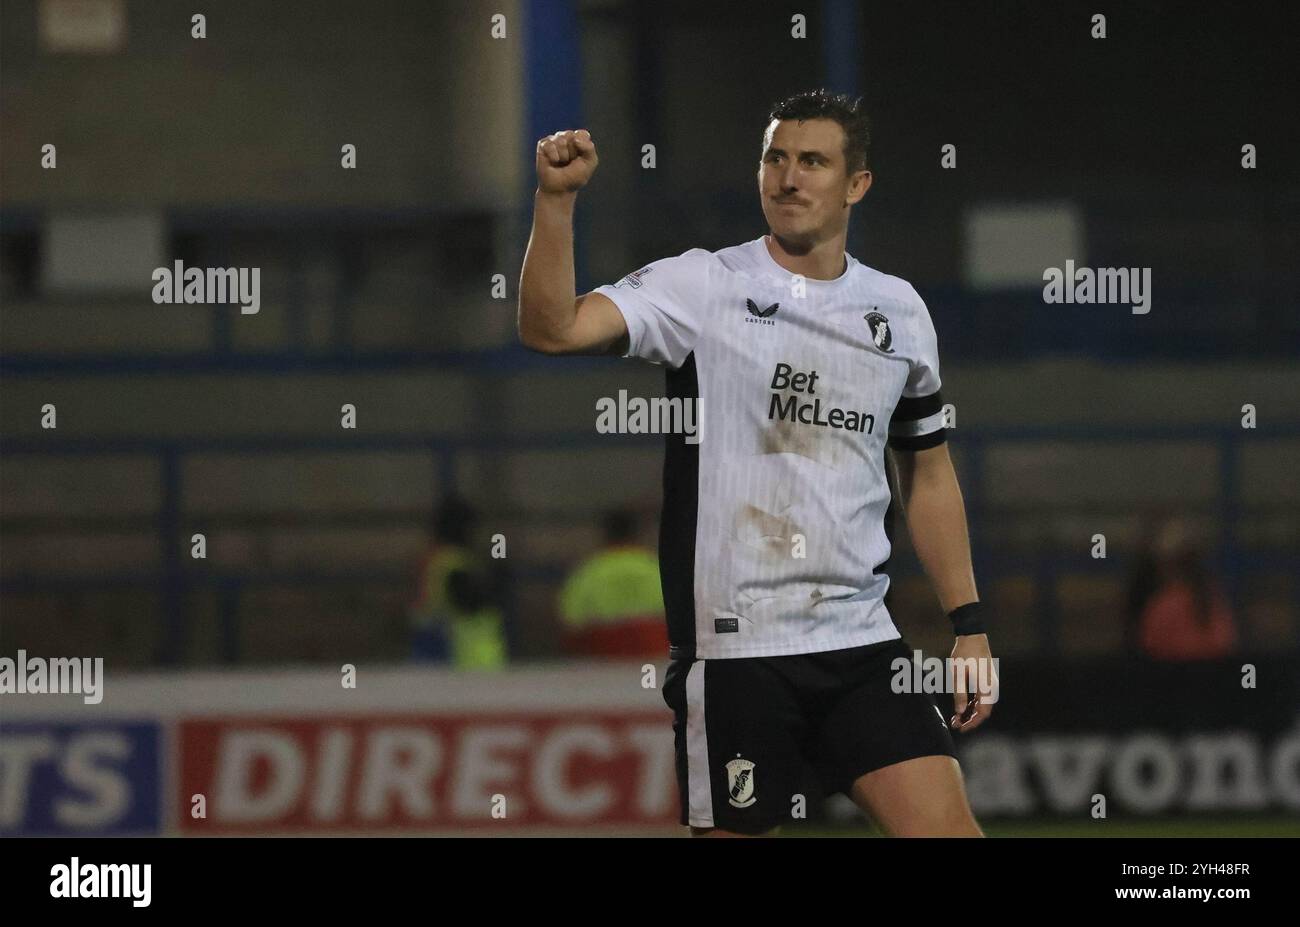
860 178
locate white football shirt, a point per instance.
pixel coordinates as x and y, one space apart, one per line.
772 537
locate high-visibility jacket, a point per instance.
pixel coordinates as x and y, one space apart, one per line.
613 605
476 639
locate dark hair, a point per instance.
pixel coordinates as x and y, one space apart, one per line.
619 526
1190 566
453 521
848 112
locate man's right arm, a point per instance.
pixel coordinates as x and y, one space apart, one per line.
553 319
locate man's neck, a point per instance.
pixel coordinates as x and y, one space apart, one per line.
823 261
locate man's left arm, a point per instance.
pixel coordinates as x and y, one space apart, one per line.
936 520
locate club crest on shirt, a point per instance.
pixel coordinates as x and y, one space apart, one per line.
634 279
740 783
880 333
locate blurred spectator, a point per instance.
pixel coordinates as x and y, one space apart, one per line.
453 618
1177 609
613 605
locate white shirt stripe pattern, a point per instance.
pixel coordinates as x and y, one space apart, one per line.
798 380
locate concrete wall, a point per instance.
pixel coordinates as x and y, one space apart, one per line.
256 112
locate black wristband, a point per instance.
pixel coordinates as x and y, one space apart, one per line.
968 619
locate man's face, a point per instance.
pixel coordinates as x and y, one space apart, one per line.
803 180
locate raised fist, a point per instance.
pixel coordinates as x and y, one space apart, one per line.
565 161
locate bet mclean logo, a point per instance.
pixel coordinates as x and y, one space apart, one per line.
102 880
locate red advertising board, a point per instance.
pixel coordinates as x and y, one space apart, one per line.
426 772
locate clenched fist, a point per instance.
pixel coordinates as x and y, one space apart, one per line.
565 161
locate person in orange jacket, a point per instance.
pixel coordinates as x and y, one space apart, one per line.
1178 609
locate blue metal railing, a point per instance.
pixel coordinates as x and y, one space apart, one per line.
176 576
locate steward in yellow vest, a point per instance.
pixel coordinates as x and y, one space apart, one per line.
453 618
612 605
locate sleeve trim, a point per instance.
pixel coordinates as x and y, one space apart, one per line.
632 318
915 409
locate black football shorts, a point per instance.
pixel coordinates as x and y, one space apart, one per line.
747 728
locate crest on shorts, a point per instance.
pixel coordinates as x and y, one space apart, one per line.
880 333
740 783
